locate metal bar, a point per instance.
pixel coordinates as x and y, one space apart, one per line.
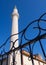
42 50
31 54
14 58
21 58
2 60
7 60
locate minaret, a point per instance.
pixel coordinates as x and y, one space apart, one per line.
15 17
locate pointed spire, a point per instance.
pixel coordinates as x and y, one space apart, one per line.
15 12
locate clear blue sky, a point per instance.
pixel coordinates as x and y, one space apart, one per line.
29 10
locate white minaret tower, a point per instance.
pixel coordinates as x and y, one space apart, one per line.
15 17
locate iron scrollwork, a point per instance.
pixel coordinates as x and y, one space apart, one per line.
29 42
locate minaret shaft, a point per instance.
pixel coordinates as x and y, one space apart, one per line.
17 58
15 17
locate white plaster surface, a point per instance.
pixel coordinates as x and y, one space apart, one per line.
15 17
27 62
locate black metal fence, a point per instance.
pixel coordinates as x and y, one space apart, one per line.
39 35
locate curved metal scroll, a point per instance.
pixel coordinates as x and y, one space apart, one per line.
24 34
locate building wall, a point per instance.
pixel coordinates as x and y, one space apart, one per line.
26 61
29 62
3 62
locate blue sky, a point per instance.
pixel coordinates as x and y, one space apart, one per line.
29 10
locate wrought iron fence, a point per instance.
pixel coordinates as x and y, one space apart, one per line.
29 42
